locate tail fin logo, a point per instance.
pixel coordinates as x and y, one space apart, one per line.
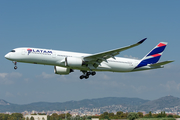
153 56
158 49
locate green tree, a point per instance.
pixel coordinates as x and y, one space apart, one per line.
119 113
123 116
106 117
111 115
155 115
18 116
116 117
54 116
140 114
27 118
150 114
159 116
68 115
41 113
23 118
1 116
12 118
32 118
62 116
34 114
176 116
132 116
84 117
89 117
4 116
77 117
163 114
170 116
105 113
49 117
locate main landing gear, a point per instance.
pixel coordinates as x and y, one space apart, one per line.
15 63
86 74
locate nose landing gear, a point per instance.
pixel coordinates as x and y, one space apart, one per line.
15 63
87 74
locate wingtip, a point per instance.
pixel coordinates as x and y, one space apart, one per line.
172 61
142 41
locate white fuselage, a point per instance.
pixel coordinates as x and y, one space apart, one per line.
56 58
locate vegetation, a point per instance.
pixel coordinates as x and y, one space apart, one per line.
132 116
157 119
105 115
55 116
139 115
14 116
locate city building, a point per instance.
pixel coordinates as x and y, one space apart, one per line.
37 117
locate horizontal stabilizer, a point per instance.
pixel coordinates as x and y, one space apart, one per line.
161 63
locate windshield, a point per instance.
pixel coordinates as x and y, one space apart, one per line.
13 51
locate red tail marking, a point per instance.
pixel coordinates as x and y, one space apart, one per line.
161 44
156 55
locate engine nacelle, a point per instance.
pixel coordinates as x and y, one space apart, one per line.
62 70
74 62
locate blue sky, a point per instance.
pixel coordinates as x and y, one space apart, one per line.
88 27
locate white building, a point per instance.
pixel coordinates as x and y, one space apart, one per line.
36 117
94 118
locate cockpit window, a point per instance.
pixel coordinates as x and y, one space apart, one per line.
13 51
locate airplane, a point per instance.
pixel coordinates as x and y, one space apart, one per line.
65 62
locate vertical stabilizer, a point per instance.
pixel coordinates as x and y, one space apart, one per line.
154 55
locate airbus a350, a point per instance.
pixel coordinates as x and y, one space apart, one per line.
66 62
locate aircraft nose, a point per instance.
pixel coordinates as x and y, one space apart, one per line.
7 56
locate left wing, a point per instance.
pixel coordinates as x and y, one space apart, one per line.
92 61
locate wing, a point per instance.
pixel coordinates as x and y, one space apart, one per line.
92 61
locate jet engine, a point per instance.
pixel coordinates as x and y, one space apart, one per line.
73 62
62 70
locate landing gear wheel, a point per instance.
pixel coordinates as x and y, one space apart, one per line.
81 77
15 67
87 74
93 73
86 77
15 63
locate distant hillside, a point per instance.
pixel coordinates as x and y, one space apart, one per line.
88 103
3 102
135 104
164 102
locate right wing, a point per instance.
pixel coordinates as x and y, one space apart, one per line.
92 61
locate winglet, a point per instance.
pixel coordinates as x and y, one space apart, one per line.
142 41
